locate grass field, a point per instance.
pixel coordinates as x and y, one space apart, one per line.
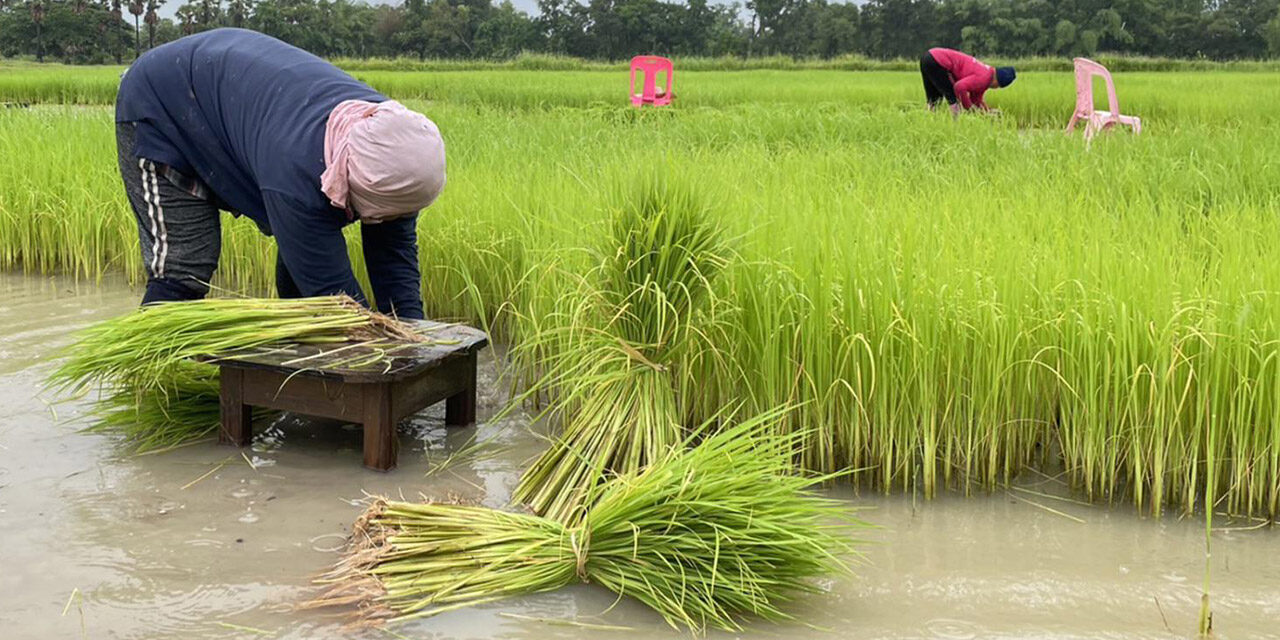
943 303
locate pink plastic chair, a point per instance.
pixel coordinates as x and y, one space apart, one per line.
1096 121
650 66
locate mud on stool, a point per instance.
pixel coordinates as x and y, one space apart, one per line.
328 381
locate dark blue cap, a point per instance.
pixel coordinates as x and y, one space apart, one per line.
1005 76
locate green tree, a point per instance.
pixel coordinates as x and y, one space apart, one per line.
1064 37
186 15
616 29
66 31
837 29
38 8
208 13
238 12
294 21
506 33
449 27
109 26
388 23
565 25
899 28
1238 28
725 34
1271 32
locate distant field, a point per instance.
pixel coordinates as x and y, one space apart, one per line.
945 303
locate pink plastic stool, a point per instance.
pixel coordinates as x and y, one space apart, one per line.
650 66
1096 121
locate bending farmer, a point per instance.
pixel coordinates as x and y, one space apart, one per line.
234 120
960 78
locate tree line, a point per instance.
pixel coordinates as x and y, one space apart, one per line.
82 31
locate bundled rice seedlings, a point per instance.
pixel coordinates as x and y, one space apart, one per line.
612 352
705 536
141 346
619 427
156 395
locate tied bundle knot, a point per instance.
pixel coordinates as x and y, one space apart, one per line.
580 550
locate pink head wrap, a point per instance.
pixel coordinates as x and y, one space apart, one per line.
381 159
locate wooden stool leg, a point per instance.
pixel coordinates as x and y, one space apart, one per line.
380 441
460 408
236 416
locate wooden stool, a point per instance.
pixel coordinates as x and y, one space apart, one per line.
327 381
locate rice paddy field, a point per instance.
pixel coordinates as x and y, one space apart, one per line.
959 311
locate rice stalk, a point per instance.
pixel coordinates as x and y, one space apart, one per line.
184 407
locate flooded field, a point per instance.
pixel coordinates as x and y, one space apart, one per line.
203 542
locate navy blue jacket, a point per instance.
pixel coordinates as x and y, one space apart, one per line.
246 113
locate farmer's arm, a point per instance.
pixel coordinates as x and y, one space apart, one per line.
391 256
312 247
979 101
967 87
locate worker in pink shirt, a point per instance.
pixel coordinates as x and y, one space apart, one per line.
960 78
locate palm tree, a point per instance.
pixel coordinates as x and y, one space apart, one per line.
207 13
135 7
104 22
186 19
238 11
152 19
37 16
116 16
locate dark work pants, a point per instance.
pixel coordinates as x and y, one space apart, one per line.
285 286
180 233
937 81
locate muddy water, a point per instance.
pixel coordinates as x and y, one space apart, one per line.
200 543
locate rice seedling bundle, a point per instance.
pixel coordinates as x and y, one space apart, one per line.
183 406
156 394
706 535
612 355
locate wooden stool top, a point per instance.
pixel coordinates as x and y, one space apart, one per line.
376 361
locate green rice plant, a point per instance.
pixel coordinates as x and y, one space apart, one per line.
182 407
25 83
157 394
942 303
522 81
613 353
708 534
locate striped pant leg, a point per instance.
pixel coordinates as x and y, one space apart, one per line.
180 234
